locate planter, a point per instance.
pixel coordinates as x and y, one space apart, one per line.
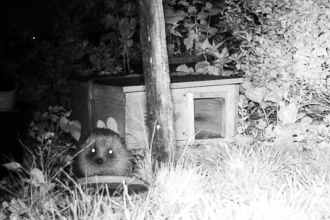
136 66
14 127
7 95
131 67
175 62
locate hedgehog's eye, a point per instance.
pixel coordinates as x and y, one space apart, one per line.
93 150
110 152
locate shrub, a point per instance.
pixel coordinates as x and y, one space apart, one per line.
285 61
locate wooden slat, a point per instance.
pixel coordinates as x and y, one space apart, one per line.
190 84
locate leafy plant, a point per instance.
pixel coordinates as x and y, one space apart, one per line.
118 44
195 28
189 26
284 58
44 175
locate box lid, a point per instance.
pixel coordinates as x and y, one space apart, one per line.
138 80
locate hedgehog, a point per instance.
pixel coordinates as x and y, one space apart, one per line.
104 152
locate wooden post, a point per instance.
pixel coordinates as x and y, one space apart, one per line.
156 74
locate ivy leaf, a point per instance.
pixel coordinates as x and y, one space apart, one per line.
215 11
221 56
272 97
173 17
202 15
212 31
110 22
203 45
126 27
208 6
256 94
72 127
189 41
132 24
174 31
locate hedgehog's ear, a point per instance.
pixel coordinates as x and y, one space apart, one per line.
112 124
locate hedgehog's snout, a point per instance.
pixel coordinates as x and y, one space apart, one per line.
99 161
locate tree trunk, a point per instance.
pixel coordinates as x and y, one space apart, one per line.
156 74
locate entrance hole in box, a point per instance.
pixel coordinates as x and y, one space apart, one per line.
209 118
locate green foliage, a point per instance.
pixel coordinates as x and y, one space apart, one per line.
50 138
281 48
51 122
41 183
285 61
117 47
283 53
197 28
189 25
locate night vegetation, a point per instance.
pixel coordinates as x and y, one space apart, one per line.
278 166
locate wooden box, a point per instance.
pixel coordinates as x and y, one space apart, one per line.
205 107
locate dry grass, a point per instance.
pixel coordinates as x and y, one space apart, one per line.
254 182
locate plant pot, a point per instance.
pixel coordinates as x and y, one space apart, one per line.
14 127
136 66
131 67
175 62
7 95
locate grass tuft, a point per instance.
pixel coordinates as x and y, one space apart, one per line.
220 182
